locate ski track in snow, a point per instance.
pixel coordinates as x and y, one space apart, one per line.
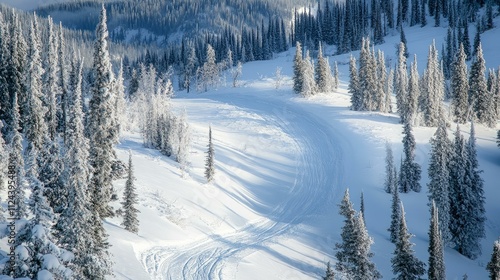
317 181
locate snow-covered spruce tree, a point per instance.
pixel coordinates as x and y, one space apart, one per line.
297 69
354 90
236 73
50 78
466 191
120 101
353 254
323 76
409 175
439 177
364 268
389 168
395 215
62 67
431 102
308 82
401 84
73 227
184 143
493 266
345 250
16 69
5 97
362 206
481 99
34 127
389 88
335 74
100 123
404 263
413 94
130 221
381 83
330 274
460 87
367 77
436 269
209 163
190 68
209 71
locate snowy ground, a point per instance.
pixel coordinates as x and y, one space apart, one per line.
282 165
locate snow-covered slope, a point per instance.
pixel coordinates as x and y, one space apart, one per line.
282 165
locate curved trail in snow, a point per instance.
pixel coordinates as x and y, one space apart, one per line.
317 181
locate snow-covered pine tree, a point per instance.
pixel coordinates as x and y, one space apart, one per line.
308 82
50 78
335 74
189 68
184 143
479 97
16 69
381 83
409 175
34 126
73 227
431 102
389 87
99 122
493 266
364 268
354 90
62 68
404 263
130 221
323 76
236 73
120 100
209 76
345 250
436 258
439 177
330 274
362 206
466 191
367 77
401 84
389 168
395 215
460 87
209 163
413 94
297 69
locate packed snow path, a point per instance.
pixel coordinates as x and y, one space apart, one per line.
319 173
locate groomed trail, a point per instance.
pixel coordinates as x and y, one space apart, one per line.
316 184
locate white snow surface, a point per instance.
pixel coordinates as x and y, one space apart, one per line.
282 165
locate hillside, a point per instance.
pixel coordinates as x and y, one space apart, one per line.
282 165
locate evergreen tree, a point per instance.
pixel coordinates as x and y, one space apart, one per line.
100 123
389 169
308 83
364 268
297 69
323 76
335 75
436 258
73 227
409 175
460 87
130 221
50 84
189 68
404 263
401 84
346 249
381 78
354 90
413 94
330 275
367 77
466 191
465 39
209 71
493 266
395 215
389 87
433 93
439 178
210 164
62 109
120 105
480 99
